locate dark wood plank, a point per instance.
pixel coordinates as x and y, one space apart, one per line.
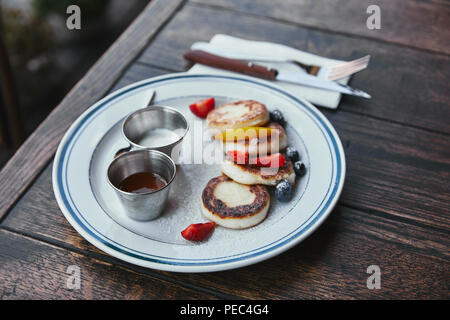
31 269
420 24
408 86
330 264
395 170
137 72
35 153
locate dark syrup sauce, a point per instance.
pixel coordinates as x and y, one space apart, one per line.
142 182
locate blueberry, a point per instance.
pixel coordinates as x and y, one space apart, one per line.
299 168
283 191
292 154
277 116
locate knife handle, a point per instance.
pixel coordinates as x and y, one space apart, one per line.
248 68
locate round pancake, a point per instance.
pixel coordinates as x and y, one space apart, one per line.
251 174
264 146
239 114
233 205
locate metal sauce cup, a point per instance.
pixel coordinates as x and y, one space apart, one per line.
142 206
142 121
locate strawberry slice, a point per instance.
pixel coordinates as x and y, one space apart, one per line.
238 156
198 231
202 108
275 160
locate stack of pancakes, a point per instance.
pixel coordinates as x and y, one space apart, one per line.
239 199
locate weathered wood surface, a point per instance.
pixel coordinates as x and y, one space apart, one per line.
393 211
31 269
331 263
386 179
408 86
40 147
421 24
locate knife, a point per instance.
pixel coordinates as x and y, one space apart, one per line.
259 71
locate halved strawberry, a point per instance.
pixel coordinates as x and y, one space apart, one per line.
202 108
275 160
198 231
238 156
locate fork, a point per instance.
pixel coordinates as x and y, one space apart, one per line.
338 71
330 73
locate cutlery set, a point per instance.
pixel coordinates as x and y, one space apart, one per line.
321 77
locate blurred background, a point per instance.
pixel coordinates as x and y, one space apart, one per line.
41 59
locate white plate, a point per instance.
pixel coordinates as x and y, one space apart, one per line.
93 209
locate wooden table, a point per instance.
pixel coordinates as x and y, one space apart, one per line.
394 210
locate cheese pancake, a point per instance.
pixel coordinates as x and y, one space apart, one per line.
264 146
251 174
239 114
234 205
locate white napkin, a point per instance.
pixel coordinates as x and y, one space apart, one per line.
322 98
